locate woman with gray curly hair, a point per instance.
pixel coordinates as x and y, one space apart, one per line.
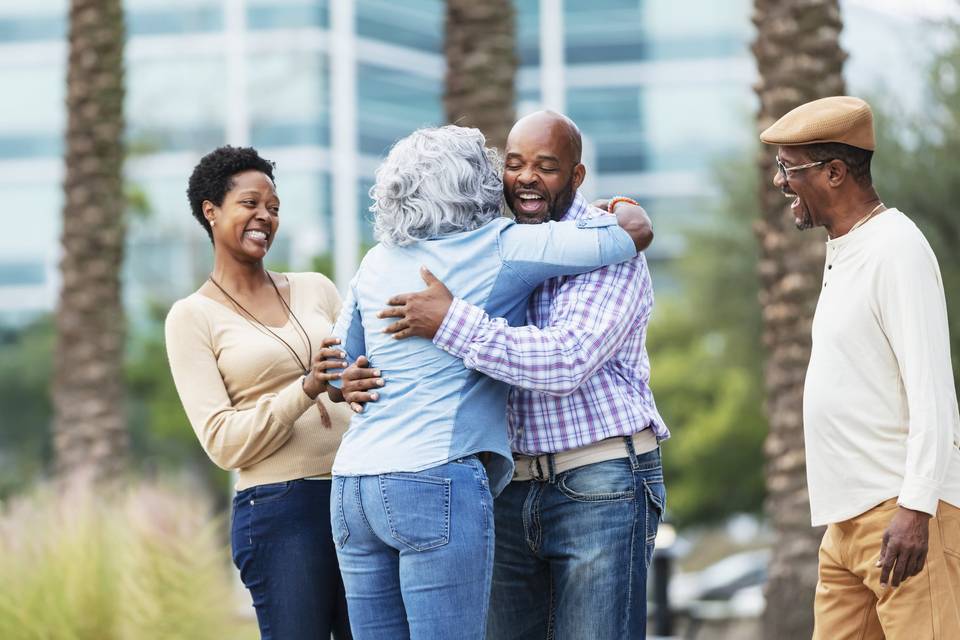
415 475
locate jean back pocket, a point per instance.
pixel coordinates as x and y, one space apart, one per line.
417 508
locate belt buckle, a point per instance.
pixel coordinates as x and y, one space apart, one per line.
536 469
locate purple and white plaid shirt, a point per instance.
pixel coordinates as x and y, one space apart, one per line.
580 372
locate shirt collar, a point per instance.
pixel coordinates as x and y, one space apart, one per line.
578 209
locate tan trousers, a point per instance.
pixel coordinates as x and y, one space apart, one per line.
850 605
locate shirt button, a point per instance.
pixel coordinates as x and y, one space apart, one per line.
829 266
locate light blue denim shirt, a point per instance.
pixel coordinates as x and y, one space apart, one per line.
432 409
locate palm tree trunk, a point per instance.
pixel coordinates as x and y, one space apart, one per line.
481 66
90 436
799 59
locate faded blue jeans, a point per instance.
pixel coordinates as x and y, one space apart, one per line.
416 551
573 550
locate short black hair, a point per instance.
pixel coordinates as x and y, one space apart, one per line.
856 159
213 177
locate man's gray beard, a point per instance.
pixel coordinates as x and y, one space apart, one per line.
806 223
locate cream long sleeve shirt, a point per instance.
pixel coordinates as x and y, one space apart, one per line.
879 406
242 390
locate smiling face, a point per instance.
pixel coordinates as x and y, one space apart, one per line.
542 169
247 221
807 188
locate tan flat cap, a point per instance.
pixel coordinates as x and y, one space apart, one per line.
837 119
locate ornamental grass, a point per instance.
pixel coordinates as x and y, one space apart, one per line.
148 563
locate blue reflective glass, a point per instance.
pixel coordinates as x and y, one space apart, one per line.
391 104
528 31
290 133
285 15
613 120
182 138
38 145
22 273
417 24
22 29
181 20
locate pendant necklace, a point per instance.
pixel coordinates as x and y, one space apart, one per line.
304 337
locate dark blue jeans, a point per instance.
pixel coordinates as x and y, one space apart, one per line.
284 550
572 552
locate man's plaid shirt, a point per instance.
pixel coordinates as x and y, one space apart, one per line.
580 370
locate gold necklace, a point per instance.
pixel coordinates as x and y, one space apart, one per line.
857 224
864 219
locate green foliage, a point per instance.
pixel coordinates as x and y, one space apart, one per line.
146 564
162 437
323 263
915 169
138 205
25 370
707 362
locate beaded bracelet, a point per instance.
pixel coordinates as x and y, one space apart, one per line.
617 200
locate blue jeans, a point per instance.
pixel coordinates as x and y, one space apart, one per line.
573 551
284 550
416 551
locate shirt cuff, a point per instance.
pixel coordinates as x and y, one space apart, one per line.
919 494
291 403
599 221
458 328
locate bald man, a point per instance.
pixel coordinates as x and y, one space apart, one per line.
576 525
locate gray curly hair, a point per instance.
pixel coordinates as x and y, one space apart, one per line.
434 182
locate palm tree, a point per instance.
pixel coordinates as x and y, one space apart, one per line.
90 436
799 59
481 66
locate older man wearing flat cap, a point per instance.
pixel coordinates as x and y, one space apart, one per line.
879 407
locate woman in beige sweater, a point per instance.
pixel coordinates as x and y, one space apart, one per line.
249 352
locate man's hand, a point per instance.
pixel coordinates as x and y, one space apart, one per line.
638 224
420 313
357 380
904 548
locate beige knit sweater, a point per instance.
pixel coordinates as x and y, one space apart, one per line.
242 389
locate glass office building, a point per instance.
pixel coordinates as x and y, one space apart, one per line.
661 90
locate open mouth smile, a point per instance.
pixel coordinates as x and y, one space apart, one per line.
529 201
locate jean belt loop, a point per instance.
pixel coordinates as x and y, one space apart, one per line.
631 453
551 469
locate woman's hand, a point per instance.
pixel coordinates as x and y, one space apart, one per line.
327 358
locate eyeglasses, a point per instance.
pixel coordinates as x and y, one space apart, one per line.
784 169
